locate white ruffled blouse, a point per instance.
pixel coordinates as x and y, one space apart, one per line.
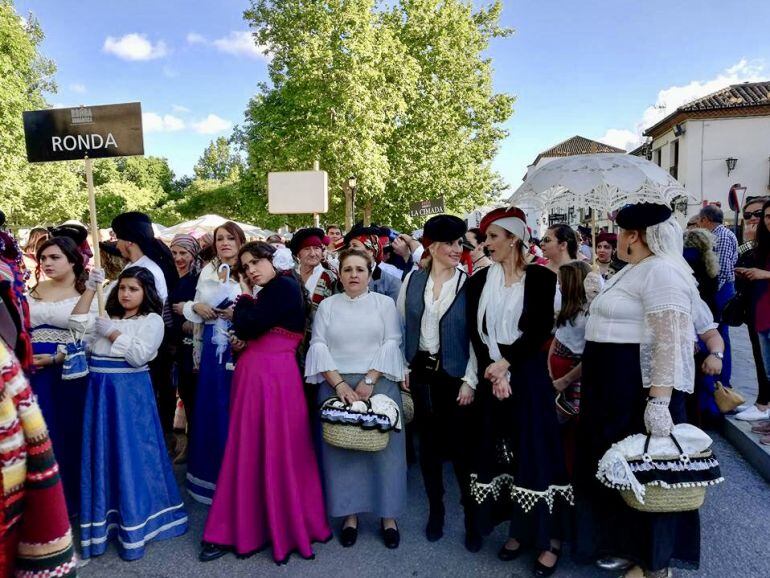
354 336
56 314
138 342
655 304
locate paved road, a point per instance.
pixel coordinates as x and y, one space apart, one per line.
735 537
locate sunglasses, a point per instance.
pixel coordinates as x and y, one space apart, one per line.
753 214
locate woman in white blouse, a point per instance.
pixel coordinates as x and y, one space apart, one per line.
637 366
218 287
355 353
50 304
128 489
442 376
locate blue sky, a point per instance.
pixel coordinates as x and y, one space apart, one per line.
599 68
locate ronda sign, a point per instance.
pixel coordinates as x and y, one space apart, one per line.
65 134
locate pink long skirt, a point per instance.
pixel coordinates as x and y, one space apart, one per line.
269 489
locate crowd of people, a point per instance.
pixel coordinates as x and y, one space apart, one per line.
229 356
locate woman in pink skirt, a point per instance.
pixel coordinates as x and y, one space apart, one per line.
269 490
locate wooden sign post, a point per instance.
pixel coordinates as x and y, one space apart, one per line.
85 132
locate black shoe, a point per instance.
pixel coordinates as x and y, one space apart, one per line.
210 552
348 536
434 529
508 555
390 536
543 570
473 541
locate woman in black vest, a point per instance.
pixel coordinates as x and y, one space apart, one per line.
519 475
432 305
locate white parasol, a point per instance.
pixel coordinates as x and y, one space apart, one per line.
206 224
601 181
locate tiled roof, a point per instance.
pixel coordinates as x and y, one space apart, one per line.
732 98
736 95
577 145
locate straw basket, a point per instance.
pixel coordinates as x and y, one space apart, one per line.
354 437
351 436
666 500
408 404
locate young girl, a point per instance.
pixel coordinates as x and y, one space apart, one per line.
579 284
128 488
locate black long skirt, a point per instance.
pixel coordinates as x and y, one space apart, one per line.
612 408
519 473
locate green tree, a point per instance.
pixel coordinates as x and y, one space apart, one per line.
340 79
44 193
219 162
398 94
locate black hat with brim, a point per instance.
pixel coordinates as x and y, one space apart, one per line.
642 215
77 233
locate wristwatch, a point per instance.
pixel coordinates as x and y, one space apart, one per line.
718 354
368 380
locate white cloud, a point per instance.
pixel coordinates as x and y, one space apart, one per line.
77 87
135 47
671 98
195 38
240 43
178 108
212 124
153 122
621 138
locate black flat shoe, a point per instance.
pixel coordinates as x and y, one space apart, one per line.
541 569
390 536
210 552
508 555
434 530
473 541
348 536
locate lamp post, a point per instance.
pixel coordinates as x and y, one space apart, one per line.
731 162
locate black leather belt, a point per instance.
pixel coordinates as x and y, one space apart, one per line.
427 361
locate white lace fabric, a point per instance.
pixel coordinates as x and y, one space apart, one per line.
666 353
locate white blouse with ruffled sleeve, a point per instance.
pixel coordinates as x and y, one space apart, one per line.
655 304
354 336
138 342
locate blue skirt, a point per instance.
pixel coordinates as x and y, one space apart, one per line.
210 422
128 490
62 405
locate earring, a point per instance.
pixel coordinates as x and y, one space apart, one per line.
628 250
511 244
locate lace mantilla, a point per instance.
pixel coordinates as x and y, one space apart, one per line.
526 498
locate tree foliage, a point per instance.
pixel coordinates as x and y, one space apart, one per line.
30 194
397 94
219 162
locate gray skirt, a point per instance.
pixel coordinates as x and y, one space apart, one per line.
360 482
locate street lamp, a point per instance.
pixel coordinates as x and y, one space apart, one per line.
731 162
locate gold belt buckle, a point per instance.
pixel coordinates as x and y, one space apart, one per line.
437 360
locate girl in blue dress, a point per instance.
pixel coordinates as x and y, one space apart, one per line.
128 490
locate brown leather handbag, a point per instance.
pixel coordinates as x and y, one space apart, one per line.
726 398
